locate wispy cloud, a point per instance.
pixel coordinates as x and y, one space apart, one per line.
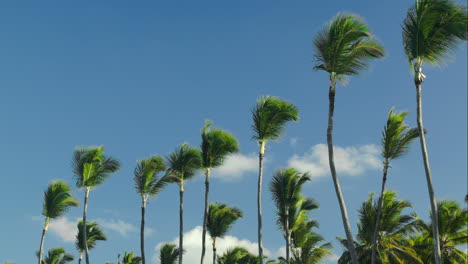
236 166
121 227
64 228
352 161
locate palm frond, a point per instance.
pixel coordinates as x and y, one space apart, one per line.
183 163
216 145
57 199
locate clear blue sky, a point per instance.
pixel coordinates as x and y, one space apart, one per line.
140 77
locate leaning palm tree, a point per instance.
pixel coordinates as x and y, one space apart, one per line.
453 227
91 168
220 220
182 164
169 254
57 256
147 184
432 29
57 201
393 245
94 234
291 207
215 147
270 116
343 48
396 139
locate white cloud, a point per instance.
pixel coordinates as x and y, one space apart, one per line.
235 166
119 226
351 161
192 246
64 228
293 141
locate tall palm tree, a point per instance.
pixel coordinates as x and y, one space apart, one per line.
215 147
343 48
94 234
396 139
220 220
432 29
286 187
91 168
453 227
270 116
57 256
393 245
147 184
129 258
57 201
182 165
169 254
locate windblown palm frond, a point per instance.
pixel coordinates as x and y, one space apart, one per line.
308 246
147 180
57 199
270 115
216 145
57 256
129 258
345 46
183 163
93 232
169 254
221 218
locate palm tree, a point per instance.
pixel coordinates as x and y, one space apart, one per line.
239 255
57 256
91 168
393 245
432 29
57 201
343 48
182 165
270 116
148 184
169 254
128 258
215 147
220 220
94 234
396 139
291 207
453 223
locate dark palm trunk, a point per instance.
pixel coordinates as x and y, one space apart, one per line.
214 250
205 213
422 137
44 231
379 212
85 238
80 257
181 223
288 237
142 230
344 213
259 201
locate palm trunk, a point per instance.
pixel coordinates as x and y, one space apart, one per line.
214 250
379 212
142 229
205 213
80 257
259 200
181 222
44 231
288 238
85 238
435 221
344 213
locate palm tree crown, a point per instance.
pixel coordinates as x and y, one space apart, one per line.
344 47
147 182
91 167
57 256
397 136
221 218
183 163
169 254
216 145
57 199
270 115
94 234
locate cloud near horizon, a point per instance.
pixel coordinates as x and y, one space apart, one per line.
236 166
352 161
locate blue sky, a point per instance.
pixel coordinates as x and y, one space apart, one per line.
141 77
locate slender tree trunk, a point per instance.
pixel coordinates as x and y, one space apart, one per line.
259 200
379 212
435 215
142 229
80 257
85 236
288 236
181 223
344 213
205 213
214 250
44 231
